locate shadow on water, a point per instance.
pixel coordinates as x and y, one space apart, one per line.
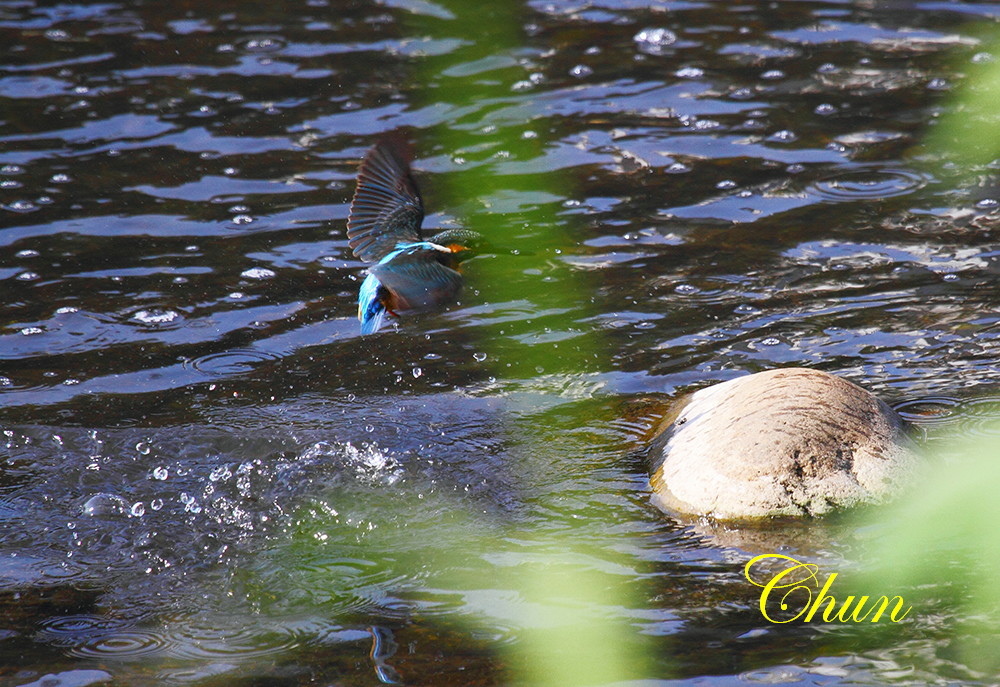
210 478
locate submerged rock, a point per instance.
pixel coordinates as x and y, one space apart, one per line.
784 442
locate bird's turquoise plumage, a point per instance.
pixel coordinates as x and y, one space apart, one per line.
384 227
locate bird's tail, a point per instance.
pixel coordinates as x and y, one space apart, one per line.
372 318
371 310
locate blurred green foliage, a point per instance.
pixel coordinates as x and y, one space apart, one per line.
939 547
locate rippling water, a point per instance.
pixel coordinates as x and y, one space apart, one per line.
210 478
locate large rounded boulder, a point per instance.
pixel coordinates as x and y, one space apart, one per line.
787 442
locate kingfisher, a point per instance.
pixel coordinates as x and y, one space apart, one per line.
383 227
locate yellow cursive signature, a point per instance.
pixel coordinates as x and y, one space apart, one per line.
800 580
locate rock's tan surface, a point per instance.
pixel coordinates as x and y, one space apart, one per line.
784 442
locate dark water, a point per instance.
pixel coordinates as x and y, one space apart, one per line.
209 478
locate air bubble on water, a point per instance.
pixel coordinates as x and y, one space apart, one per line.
143 448
825 109
138 509
104 504
257 273
222 472
156 504
6 381
978 58
987 203
580 71
479 357
60 179
726 185
369 428
242 219
10 183
20 206
417 372
66 310
773 75
12 169
950 277
30 331
770 341
28 276
160 473
156 316
237 295
654 41
690 73
783 136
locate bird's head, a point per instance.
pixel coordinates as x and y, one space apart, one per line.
463 243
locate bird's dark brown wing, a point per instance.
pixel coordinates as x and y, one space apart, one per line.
386 209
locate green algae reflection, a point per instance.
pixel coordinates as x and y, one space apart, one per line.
557 601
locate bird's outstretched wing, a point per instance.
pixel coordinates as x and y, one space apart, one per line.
417 280
386 209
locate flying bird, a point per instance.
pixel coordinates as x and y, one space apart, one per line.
383 227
